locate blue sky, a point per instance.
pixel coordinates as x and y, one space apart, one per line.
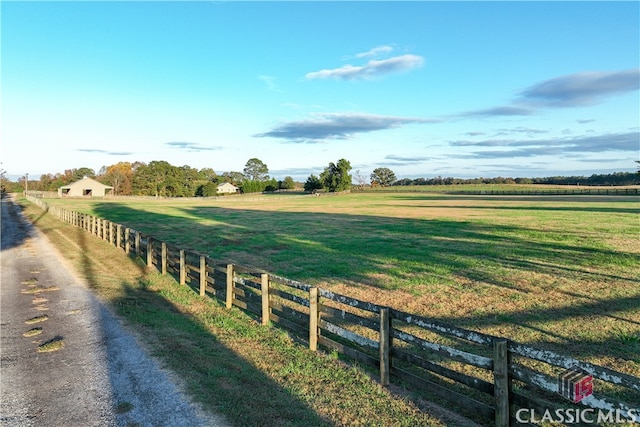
460 89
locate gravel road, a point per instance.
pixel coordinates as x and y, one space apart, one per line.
97 373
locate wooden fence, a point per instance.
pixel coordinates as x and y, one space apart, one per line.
554 192
538 192
490 378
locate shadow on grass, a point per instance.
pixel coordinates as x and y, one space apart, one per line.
214 375
384 253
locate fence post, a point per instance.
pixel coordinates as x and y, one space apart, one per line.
203 275
137 243
127 240
118 235
264 287
385 346
313 318
230 275
149 252
501 382
183 268
164 258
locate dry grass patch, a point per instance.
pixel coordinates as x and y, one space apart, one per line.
40 289
54 344
37 319
32 332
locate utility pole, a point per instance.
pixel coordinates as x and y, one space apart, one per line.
26 183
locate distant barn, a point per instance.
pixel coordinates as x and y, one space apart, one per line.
227 188
86 187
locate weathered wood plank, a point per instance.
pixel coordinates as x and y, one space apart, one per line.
247 306
469 381
348 335
230 274
264 295
549 384
452 353
332 313
314 317
596 371
290 297
443 328
247 282
385 345
352 302
501 382
289 312
291 283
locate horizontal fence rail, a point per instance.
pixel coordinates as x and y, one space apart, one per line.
538 192
489 377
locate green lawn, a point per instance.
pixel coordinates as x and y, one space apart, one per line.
557 272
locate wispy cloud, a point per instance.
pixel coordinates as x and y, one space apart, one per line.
505 110
573 90
371 70
325 126
376 51
191 146
109 153
393 160
552 146
520 129
581 89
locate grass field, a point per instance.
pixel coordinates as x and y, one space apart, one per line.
224 359
561 273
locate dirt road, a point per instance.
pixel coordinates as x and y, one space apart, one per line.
65 360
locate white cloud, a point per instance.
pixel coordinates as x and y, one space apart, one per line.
191 146
582 89
337 126
375 51
373 69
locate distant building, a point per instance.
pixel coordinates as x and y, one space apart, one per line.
227 188
86 187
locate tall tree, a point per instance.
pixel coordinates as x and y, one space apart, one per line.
287 184
234 178
256 170
154 179
313 183
360 180
208 174
82 172
336 177
120 177
383 177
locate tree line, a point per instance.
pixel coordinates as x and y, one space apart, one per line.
161 179
613 179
